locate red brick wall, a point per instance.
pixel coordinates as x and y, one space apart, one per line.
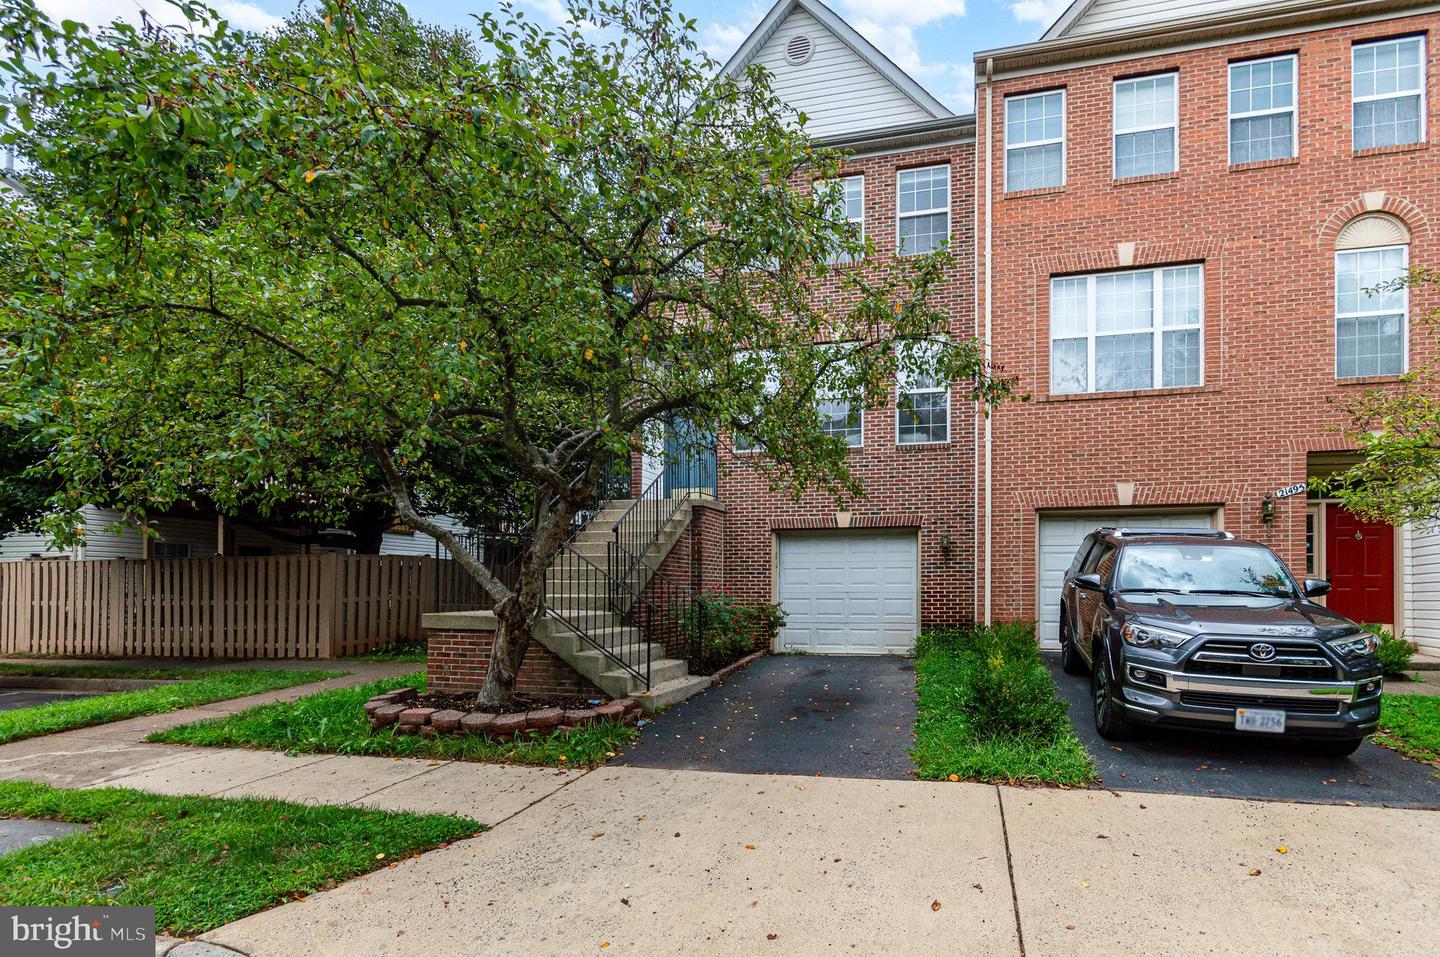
458 661
1266 235
931 487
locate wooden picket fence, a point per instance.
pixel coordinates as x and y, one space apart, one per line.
289 606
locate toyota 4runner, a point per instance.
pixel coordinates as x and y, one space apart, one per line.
1200 629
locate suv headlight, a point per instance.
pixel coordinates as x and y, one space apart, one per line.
1357 645
1149 636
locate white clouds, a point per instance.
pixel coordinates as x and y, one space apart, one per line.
241 14
1038 11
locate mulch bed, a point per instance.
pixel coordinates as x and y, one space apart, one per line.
521 704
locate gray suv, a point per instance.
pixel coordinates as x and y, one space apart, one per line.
1195 628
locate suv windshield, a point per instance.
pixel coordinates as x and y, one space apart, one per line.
1203 568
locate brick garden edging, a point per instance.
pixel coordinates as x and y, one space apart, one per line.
398 708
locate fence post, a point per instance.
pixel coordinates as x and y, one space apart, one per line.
115 616
329 601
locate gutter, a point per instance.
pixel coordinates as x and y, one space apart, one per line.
949 128
989 419
1288 14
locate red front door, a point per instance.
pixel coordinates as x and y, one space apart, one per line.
1360 563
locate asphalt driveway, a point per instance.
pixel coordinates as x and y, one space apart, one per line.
1220 765
839 716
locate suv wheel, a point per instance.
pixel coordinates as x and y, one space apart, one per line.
1070 659
1108 720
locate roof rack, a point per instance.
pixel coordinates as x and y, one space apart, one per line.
1140 532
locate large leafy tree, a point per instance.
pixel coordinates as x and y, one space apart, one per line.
285 251
1397 431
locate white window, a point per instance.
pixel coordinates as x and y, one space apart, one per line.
1147 117
1388 92
1035 141
849 198
1371 311
839 417
922 400
922 206
1262 109
1123 331
770 387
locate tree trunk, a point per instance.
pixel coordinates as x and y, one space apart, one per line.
512 641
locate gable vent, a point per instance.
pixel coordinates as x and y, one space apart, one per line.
798 50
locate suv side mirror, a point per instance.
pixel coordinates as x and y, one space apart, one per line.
1090 582
1315 587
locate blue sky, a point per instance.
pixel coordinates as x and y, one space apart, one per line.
932 40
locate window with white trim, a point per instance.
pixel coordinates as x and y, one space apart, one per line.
1372 310
1387 92
839 417
1147 119
922 209
848 196
1263 117
1123 331
922 398
771 387
1034 141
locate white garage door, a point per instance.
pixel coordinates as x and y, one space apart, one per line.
1060 536
849 593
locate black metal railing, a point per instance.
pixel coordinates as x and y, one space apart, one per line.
587 600
687 474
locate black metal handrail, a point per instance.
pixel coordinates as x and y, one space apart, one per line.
584 598
640 526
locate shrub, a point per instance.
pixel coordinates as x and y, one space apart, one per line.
988 710
718 631
1395 653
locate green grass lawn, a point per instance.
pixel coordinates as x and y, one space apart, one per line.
1410 724
207 687
96 671
988 711
334 722
201 862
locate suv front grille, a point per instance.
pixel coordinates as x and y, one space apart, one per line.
1294 660
1215 699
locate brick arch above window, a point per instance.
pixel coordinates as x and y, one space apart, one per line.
1373 229
1410 216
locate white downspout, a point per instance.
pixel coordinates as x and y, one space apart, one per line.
989 423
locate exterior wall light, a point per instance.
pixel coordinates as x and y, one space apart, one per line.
1267 509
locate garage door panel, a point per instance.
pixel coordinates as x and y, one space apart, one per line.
1060 536
849 593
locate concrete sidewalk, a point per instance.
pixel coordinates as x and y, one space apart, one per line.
693 862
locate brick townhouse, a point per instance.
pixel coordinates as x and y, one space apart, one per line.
1165 222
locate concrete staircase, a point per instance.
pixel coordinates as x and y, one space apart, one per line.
580 599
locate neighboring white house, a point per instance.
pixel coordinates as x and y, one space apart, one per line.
196 538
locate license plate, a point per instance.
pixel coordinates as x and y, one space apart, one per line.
1259 719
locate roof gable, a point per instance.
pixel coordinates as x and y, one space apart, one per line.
1087 17
822 67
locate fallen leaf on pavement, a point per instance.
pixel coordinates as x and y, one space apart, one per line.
749 847
1254 872
597 834
978 888
934 905
1282 849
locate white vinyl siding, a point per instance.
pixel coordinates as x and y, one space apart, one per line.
1369 322
1422 588
1106 16
1263 115
1388 92
922 210
1035 141
418 543
836 89
848 592
1127 331
1147 125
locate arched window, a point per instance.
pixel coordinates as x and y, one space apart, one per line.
1372 309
